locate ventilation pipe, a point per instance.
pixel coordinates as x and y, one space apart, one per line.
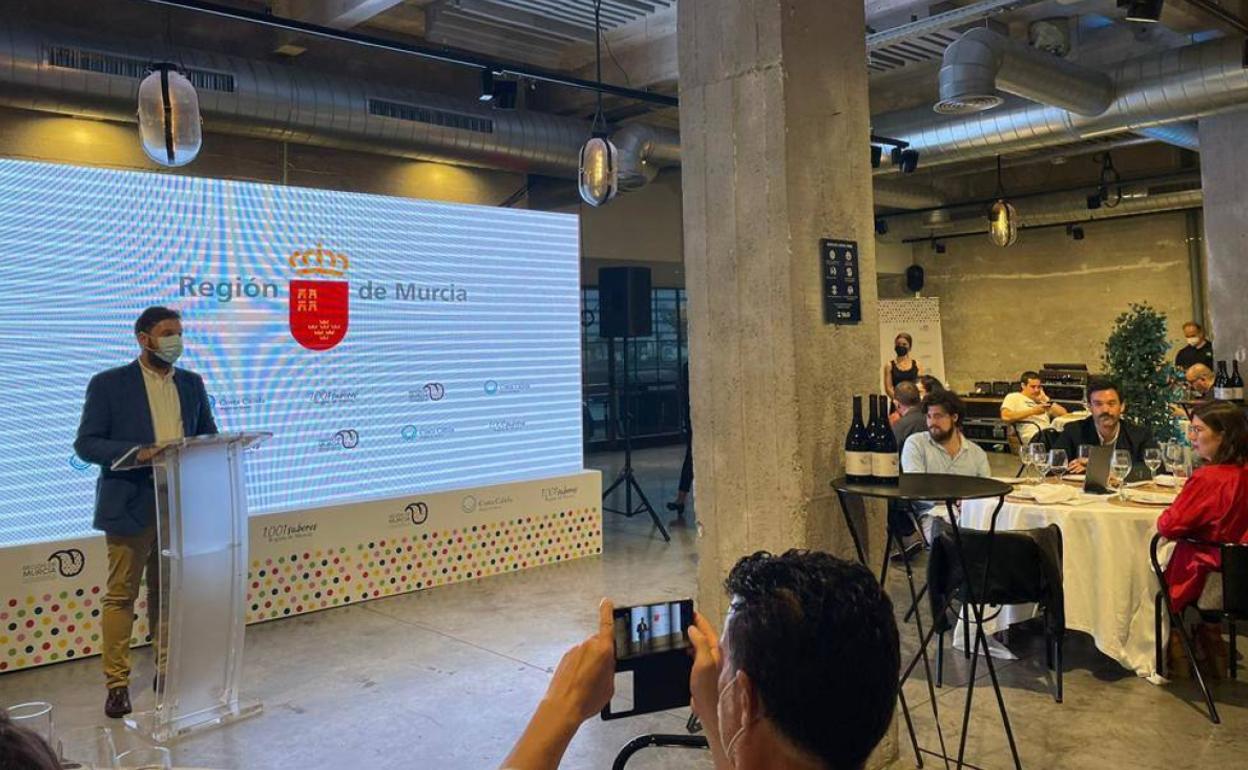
643 151
982 62
1177 85
1185 135
1177 193
51 71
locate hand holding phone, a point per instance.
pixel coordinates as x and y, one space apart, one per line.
652 651
704 678
583 679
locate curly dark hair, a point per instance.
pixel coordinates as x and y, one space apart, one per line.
947 400
1229 422
819 641
23 748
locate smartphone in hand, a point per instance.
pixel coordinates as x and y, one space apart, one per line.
652 659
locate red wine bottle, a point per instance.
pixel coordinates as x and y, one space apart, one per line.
858 448
885 461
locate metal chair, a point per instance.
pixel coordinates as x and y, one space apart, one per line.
657 741
1234 608
1026 567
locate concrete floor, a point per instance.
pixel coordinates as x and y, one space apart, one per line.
447 678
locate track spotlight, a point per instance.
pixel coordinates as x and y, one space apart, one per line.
1075 232
938 247
906 160
1147 11
487 86
877 154
881 226
1094 201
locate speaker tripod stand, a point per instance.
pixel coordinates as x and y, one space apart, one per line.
626 477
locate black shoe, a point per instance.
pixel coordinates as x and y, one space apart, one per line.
118 703
678 508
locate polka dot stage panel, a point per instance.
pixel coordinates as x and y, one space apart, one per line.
307 561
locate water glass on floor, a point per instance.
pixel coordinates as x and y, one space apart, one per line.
35 716
88 748
146 758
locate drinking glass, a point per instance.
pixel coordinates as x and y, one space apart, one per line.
1176 460
1025 458
1119 467
88 748
1040 457
1152 458
1057 461
35 716
1085 453
145 758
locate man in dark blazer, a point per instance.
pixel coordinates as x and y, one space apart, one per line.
1104 428
141 403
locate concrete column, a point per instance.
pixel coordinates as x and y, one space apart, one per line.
1224 177
774 135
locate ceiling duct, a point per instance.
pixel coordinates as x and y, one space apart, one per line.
981 62
1179 192
1176 85
51 71
1185 135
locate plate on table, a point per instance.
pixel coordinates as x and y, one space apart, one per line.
1148 498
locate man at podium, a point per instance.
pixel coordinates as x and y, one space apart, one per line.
141 403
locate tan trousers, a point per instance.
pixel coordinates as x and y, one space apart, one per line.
128 557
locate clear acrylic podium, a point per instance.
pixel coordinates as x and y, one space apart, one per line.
201 521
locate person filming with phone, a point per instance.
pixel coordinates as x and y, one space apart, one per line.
809 642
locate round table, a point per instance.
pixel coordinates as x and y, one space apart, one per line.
949 489
917 488
1106 575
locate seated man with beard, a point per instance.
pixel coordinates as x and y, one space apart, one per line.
1105 427
942 448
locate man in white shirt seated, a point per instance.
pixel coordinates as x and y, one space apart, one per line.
942 448
1030 411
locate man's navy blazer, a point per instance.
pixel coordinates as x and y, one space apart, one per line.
116 418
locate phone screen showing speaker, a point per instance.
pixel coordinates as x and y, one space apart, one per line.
650 628
652 658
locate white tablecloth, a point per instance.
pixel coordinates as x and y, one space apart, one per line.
1108 579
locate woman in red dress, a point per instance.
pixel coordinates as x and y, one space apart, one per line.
1212 506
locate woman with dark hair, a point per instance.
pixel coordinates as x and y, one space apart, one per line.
903 367
1212 506
23 749
928 385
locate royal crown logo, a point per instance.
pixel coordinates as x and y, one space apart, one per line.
318 304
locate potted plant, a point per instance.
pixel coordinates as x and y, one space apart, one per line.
1137 357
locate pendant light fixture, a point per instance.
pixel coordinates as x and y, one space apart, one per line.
169 123
1003 218
599 171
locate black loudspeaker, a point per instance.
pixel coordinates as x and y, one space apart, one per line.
624 302
914 278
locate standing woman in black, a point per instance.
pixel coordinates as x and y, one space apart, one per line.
903 367
677 506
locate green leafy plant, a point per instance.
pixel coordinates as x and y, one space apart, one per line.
1136 356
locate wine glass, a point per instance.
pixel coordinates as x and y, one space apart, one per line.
1040 458
1057 461
1024 457
1152 458
1119 467
1176 460
1085 454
